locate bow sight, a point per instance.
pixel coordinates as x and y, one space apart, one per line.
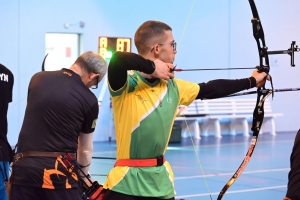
290 51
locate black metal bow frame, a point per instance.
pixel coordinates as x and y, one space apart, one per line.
262 92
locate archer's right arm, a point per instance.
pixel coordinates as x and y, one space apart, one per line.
121 62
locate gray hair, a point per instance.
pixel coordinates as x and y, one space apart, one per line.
92 62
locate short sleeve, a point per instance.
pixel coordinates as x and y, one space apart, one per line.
90 120
188 91
11 88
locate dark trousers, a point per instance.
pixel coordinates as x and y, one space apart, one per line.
293 190
111 195
33 193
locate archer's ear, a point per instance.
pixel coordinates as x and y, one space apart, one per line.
156 49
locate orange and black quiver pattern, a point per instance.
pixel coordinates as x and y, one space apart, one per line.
93 192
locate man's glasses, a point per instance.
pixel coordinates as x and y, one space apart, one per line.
173 44
96 85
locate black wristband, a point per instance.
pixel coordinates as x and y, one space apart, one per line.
82 166
149 68
252 82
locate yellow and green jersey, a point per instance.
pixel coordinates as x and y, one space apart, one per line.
144 114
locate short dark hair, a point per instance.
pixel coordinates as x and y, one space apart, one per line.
149 33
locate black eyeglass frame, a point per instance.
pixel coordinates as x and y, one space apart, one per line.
173 44
96 85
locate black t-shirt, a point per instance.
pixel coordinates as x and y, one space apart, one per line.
6 87
59 107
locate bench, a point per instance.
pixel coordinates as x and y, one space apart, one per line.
207 112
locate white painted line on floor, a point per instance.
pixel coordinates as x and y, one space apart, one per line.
231 192
103 152
198 146
231 173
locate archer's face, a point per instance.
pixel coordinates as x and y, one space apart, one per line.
166 50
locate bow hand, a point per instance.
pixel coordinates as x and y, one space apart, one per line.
261 77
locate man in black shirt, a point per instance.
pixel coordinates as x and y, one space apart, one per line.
60 117
6 88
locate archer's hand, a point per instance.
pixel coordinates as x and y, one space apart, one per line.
260 77
162 70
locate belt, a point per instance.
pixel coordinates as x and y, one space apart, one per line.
42 154
152 162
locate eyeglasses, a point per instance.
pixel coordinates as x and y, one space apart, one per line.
173 44
95 86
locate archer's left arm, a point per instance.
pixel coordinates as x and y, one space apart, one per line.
223 87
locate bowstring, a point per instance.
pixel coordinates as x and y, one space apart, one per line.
186 23
198 158
193 143
194 147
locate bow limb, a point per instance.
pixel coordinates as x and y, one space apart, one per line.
43 65
258 113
